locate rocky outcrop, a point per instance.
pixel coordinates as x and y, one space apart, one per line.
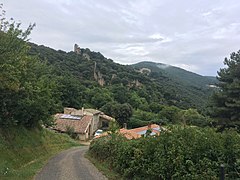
98 76
86 56
145 71
113 76
134 83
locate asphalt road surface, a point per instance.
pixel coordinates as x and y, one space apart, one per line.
70 165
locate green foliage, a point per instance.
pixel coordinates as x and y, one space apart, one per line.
71 132
181 153
180 88
72 91
192 117
113 127
155 107
166 115
100 97
143 118
226 101
171 113
27 90
136 101
120 93
121 112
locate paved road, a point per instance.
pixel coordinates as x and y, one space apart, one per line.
70 165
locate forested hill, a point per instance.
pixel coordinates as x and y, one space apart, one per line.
176 73
179 76
90 79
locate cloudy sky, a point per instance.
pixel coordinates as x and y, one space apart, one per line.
195 35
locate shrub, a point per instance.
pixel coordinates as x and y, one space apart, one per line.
71 132
181 153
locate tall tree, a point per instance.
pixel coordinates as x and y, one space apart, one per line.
122 112
226 101
27 89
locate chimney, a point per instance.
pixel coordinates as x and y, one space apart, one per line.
149 126
82 110
125 125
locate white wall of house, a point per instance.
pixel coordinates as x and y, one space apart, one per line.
82 137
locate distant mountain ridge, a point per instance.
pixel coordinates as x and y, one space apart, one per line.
178 74
177 82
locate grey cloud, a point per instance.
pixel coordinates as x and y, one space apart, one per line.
196 35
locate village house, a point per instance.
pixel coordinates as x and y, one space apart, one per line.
136 133
153 129
84 122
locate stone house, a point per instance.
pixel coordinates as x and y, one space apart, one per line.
84 122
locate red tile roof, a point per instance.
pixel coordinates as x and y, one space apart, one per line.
129 134
136 132
80 126
133 133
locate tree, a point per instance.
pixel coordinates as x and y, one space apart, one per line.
138 102
120 94
72 91
170 113
226 101
192 117
100 97
121 112
27 90
155 107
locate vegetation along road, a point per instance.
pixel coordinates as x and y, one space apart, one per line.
70 164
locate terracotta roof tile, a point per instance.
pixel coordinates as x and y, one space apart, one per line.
129 134
137 132
134 133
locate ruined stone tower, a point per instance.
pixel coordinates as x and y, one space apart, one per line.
77 49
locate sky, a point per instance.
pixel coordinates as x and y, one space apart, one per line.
194 35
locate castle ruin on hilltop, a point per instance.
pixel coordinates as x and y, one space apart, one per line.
77 49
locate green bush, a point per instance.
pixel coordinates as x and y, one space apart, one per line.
181 153
71 132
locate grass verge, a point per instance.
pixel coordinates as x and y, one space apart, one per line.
24 152
104 168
